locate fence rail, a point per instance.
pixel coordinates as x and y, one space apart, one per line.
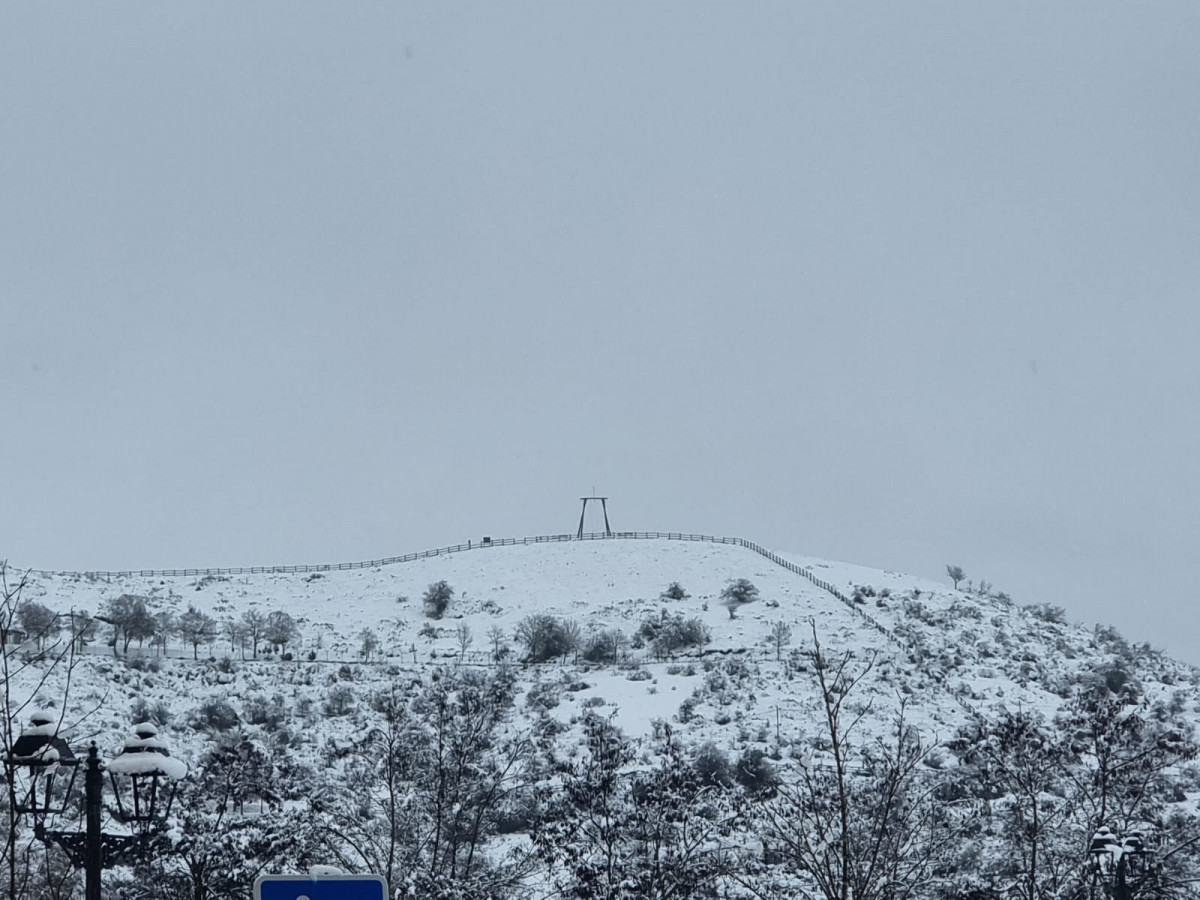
386 561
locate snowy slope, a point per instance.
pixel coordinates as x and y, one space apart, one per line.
934 654
943 651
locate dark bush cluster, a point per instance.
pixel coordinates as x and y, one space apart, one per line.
675 591
755 773
604 646
215 715
259 710
142 711
546 637
340 701
1047 612
667 634
437 599
712 766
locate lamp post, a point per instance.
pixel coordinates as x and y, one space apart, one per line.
144 759
1124 864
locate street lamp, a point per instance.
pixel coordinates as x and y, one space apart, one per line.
144 759
48 758
1124 864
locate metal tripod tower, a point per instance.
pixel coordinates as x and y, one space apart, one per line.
583 512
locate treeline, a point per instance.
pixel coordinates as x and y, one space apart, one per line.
437 789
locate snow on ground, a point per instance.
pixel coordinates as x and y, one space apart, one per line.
940 651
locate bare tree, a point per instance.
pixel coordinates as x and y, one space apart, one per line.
165 627
863 823
39 622
425 789
130 620
196 628
499 643
463 632
281 630
255 624
956 574
781 636
53 664
369 643
235 632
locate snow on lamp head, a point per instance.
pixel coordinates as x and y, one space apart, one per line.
145 760
45 754
1115 858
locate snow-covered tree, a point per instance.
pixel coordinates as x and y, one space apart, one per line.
737 594
425 786
1019 763
368 643
437 599
39 622
254 623
196 628
130 619
956 574
280 630
861 821
615 832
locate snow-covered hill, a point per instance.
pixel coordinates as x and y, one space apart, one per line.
944 655
946 651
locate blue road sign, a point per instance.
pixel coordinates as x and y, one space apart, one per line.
320 887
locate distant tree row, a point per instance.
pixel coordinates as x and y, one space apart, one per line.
130 619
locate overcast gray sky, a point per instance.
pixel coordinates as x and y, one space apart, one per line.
900 284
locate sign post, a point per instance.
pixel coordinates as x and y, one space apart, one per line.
320 887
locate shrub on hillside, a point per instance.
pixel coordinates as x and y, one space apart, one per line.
605 646
340 701
755 773
737 594
712 766
1047 612
215 715
674 591
259 710
437 599
143 711
546 637
667 634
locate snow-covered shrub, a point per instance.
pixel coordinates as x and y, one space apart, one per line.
259 710
546 637
1047 612
755 773
674 591
214 715
437 599
543 696
667 634
737 594
340 701
144 711
687 710
604 646
712 766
